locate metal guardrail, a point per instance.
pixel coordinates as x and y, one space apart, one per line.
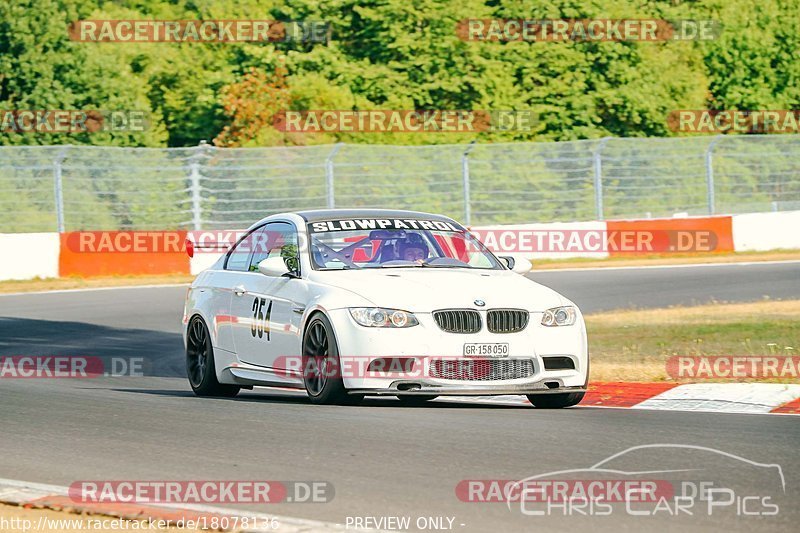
64 188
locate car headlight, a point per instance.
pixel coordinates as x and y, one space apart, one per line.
378 317
559 316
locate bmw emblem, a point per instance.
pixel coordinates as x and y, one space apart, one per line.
480 303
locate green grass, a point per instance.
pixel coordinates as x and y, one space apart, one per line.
635 345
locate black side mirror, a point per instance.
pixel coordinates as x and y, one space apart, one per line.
508 261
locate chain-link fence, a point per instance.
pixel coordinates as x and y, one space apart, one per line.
64 188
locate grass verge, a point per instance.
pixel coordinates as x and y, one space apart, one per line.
52 284
19 519
634 345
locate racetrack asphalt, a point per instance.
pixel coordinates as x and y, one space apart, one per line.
383 459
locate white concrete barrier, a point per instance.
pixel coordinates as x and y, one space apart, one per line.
766 231
29 255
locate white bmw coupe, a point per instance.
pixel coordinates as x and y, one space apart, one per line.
348 303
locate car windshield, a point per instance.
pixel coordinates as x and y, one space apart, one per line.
396 243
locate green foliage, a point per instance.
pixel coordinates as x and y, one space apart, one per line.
41 69
391 55
396 54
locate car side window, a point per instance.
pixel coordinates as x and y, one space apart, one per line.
239 258
276 239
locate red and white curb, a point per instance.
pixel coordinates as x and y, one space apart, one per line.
767 398
37 495
725 397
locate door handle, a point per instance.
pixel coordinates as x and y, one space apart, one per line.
239 290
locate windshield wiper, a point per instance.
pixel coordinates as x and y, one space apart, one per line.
431 264
343 267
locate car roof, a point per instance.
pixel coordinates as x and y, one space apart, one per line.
314 215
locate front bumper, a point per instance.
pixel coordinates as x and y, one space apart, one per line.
426 341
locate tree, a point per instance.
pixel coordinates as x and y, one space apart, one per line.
252 104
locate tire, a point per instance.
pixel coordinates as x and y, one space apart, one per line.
323 381
416 400
200 367
555 401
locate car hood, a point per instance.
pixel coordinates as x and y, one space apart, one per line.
427 289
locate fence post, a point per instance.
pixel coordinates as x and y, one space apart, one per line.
197 213
598 177
194 187
58 188
710 175
465 181
329 175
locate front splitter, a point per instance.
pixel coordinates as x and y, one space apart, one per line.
467 391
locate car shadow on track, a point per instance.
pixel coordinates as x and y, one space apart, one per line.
301 398
156 353
295 398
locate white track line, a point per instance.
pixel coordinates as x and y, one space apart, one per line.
651 267
93 289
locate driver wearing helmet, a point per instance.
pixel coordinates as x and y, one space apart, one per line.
413 250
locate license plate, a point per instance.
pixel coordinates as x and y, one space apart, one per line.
486 349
